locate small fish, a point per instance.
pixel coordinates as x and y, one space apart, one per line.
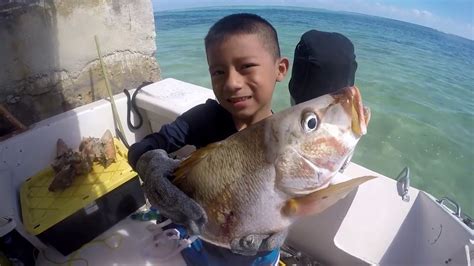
261 179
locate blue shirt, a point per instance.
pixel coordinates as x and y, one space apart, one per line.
201 125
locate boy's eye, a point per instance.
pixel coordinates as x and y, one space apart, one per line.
244 66
216 73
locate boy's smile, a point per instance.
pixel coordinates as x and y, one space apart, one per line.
239 102
243 73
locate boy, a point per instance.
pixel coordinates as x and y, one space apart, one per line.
244 61
324 62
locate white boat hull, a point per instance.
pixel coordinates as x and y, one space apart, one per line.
372 225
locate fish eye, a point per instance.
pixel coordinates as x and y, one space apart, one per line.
309 122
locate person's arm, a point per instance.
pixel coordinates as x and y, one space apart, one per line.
155 168
150 159
170 138
190 128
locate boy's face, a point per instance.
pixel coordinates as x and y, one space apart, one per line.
243 73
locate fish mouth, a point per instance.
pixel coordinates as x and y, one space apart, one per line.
238 99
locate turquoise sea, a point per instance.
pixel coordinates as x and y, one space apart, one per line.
418 82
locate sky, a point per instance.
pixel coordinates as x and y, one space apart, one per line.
449 16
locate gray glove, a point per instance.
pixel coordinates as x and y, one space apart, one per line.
154 167
251 244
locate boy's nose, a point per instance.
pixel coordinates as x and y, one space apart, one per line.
233 81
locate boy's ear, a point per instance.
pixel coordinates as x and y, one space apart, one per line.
283 64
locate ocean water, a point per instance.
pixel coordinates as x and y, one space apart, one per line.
418 82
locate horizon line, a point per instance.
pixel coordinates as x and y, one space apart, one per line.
305 9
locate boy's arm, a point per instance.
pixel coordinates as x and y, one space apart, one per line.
170 138
149 158
154 167
197 126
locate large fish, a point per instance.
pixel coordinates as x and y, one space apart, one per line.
262 178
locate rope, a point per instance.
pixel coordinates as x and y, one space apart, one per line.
132 107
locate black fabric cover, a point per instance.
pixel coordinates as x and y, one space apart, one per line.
324 62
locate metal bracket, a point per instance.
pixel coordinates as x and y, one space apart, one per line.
292 256
456 212
4 221
403 183
6 225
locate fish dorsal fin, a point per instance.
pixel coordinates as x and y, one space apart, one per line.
320 200
197 156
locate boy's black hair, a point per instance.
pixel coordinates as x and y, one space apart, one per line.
324 62
244 23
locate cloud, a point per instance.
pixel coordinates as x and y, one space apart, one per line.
417 16
421 13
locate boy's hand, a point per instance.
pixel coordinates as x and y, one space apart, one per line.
154 167
251 244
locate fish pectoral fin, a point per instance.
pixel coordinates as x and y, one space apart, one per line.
187 164
320 200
